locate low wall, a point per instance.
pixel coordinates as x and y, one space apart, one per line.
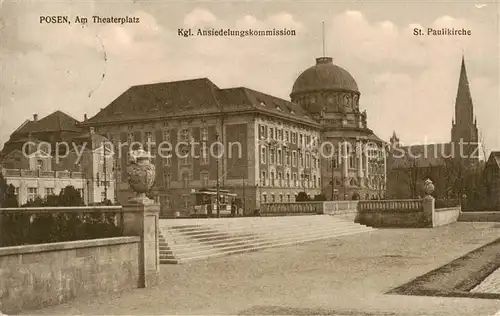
445 216
392 213
479 216
35 276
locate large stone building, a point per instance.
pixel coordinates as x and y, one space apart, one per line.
444 163
279 141
31 162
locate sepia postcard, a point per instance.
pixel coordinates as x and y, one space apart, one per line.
250 157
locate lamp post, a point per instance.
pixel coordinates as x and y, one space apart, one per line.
217 185
333 178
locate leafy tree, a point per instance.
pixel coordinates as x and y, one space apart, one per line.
9 197
320 197
302 197
69 196
37 202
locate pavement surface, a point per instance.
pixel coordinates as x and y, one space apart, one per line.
490 285
342 276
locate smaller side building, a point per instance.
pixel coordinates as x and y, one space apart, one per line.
492 177
35 169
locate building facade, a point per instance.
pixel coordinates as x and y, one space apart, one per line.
36 169
273 148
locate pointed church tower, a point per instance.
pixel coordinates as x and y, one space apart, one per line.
464 127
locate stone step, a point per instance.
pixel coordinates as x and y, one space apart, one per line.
266 232
262 240
257 247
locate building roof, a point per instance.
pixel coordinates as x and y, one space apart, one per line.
57 121
325 75
428 155
494 159
191 97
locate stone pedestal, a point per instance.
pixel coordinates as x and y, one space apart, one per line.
428 204
142 220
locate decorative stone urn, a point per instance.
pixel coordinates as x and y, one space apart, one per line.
428 187
141 175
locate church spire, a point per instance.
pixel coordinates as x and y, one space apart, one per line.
463 104
464 127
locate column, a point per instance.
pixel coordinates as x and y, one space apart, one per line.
142 220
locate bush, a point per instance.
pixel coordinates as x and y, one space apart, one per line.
302 197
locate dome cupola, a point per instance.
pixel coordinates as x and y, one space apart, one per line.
325 75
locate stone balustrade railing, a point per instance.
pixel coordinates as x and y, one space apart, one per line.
390 205
25 173
313 207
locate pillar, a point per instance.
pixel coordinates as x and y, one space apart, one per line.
143 220
428 204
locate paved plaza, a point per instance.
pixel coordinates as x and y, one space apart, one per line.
343 276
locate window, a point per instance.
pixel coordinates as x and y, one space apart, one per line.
263 155
352 160
149 138
80 191
281 198
166 136
294 138
271 133
130 138
301 158
49 191
273 198
204 179
287 136
308 161
301 140
272 178
294 159
287 179
16 191
103 196
39 164
167 178
314 181
263 178
264 198
280 157
185 180
32 194
271 156
288 197
262 131
294 176
184 135
287 158
204 155
204 134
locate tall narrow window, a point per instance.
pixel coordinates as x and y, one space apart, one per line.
263 155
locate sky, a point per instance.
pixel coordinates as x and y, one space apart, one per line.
408 83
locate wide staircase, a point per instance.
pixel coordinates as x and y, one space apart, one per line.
184 240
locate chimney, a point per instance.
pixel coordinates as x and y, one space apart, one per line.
84 117
35 117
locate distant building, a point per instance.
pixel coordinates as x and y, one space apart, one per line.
280 140
31 166
409 166
492 177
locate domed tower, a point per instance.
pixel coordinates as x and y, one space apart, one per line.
353 158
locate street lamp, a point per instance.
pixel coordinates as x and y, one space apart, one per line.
217 185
